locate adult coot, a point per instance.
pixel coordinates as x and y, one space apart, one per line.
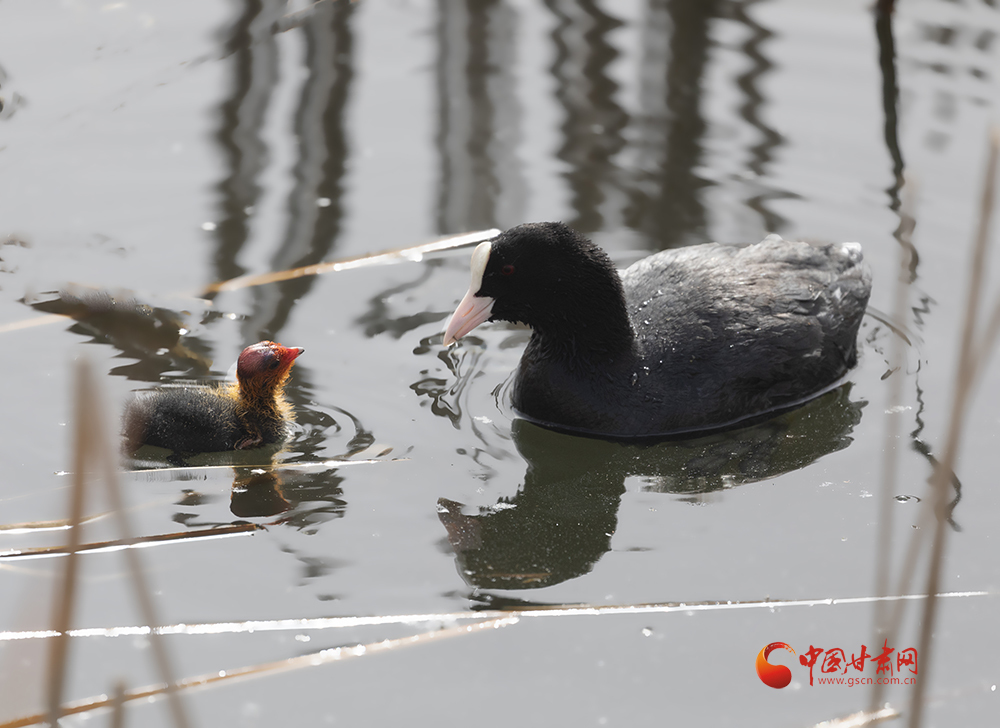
249 413
691 339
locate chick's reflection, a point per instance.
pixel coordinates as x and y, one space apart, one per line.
563 517
257 493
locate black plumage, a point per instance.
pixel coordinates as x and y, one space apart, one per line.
248 413
691 339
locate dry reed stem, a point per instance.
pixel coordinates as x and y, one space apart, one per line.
890 450
64 601
414 252
941 478
273 467
143 593
118 706
314 659
31 323
236 529
59 524
91 443
553 611
861 719
387 256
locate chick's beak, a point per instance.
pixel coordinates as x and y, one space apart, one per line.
290 353
471 312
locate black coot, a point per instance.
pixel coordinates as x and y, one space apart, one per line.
698 338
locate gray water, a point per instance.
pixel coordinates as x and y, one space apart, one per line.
151 149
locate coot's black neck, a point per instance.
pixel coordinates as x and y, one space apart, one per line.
594 328
562 285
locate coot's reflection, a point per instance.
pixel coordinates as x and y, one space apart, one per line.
561 520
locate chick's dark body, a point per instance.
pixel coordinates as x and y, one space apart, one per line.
252 412
199 420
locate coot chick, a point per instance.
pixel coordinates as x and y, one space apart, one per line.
248 413
697 338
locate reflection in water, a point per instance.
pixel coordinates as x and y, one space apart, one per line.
9 100
444 394
158 339
480 184
956 48
257 493
314 499
308 498
562 519
318 423
890 103
302 500
149 334
750 82
593 122
665 202
315 207
890 96
254 55
378 319
922 447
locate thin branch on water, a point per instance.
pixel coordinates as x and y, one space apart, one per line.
271 467
941 478
398 255
550 611
861 719
237 529
896 327
314 659
413 253
30 323
59 524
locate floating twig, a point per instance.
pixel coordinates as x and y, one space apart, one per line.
60 524
237 529
31 323
556 610
268 467
414 253
861 718
314 659
411 253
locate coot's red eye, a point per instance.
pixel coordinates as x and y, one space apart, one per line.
507 270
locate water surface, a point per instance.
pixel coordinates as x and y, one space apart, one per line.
151 149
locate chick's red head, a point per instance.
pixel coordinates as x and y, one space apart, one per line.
266 359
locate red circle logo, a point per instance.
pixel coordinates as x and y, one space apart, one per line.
776 676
